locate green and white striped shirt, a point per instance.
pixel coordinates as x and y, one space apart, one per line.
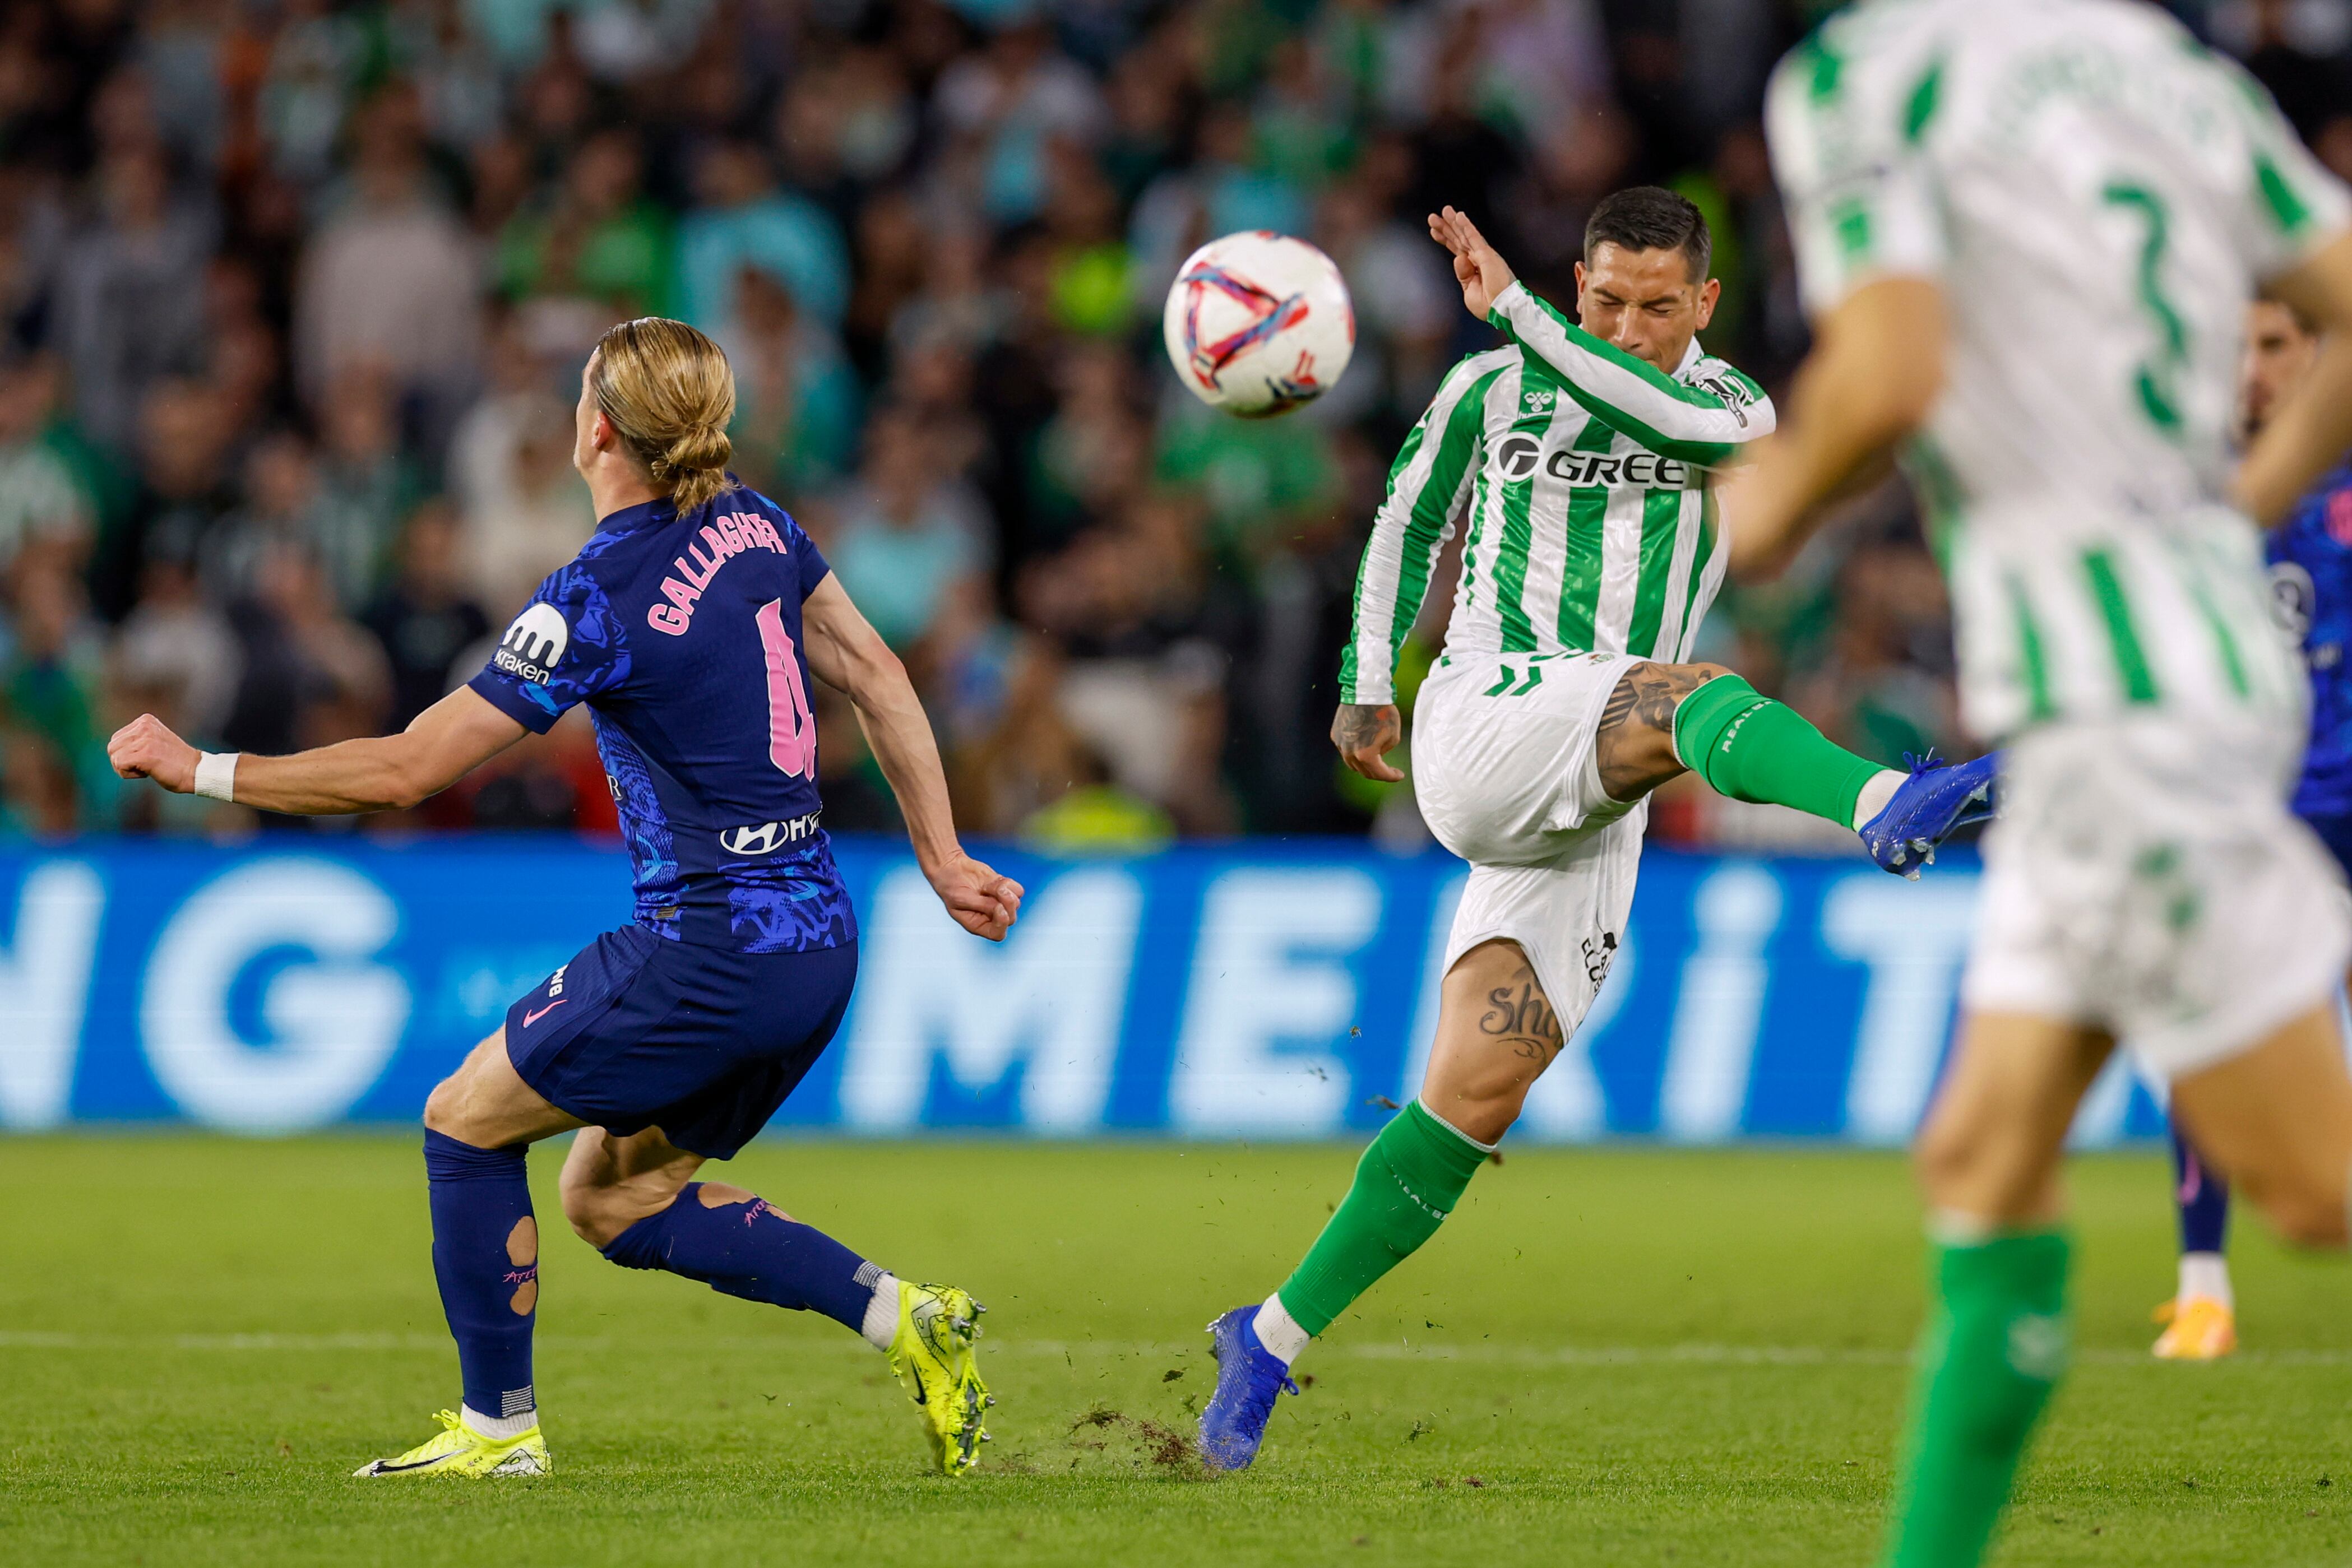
1582 473
2097 196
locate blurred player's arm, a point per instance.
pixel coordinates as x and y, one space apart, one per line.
384 773
1867 223
1429 487
1876 368
2309 434
1703 425
847 655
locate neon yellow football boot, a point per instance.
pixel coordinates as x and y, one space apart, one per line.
2202 1329
932 1355
460 1450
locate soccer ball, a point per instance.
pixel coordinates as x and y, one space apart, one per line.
1258 323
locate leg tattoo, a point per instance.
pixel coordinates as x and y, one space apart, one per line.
1636 739
1519 1017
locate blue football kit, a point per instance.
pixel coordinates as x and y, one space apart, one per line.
2311 573
682 635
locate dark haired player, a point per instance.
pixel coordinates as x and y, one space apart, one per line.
692 639
2310 554
1579 457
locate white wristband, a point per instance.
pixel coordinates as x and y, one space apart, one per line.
216 775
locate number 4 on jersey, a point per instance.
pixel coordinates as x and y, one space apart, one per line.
792 727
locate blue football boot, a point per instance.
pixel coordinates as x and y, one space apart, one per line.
1937 798
1249 1375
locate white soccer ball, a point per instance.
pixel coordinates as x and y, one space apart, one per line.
1258 323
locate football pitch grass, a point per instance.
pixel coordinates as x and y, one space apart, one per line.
1630 1356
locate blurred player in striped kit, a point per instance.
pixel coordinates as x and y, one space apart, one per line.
2027 232
1578 458
2311 578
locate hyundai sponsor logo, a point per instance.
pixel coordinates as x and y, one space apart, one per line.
766 838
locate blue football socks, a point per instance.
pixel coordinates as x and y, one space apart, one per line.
485 1257
746 1249
2204 1199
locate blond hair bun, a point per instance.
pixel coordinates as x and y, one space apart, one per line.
669 393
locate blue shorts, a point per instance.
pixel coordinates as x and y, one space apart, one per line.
638 1031
2335 832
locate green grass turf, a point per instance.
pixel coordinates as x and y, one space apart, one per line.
1615 1356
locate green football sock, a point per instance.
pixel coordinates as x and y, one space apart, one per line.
1753 749
1407 1183
1993 1351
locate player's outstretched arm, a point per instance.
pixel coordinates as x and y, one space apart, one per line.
392 773
1689 423
849 655
2309 434
1875 371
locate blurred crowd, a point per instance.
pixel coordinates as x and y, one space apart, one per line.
294 294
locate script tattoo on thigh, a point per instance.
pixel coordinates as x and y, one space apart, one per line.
1519 1015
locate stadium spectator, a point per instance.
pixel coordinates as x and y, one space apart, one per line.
309 676
745 218
42 504
908 533
595 249
176 655
390 283
525 511
129 305
795 395
51 684
426 618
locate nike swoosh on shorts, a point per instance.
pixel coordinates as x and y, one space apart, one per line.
530 1018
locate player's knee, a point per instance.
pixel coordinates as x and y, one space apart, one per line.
445 1109
1485 1117
2305 1213
1944 1159
595 1212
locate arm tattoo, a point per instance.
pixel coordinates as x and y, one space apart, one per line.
1519 1015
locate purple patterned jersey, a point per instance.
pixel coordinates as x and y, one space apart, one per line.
683 637
2311 573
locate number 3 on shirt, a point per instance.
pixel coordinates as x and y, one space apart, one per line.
792 727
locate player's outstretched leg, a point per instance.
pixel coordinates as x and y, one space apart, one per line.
2200 1321
737 1243
1751 747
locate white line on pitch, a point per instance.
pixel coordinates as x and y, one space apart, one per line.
1703 1354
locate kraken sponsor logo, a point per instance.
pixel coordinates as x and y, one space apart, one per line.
534 645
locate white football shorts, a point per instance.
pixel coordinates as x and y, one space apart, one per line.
2145 878
1505 772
